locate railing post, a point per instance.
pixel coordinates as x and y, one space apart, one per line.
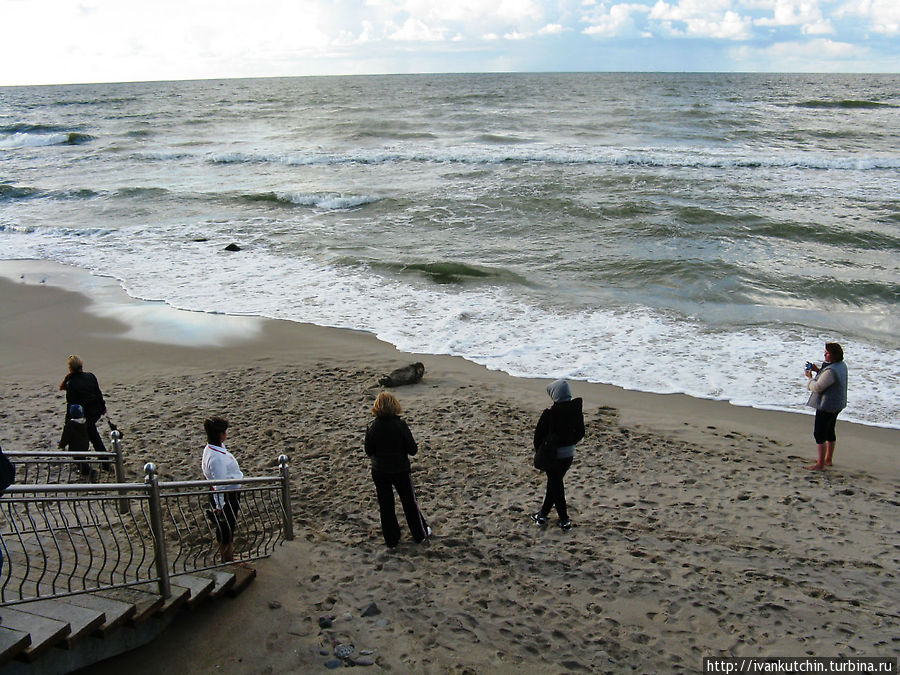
124 504
287 512
159 542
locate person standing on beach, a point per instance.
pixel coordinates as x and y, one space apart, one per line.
83 389
224 502
829 397
389 443
565 421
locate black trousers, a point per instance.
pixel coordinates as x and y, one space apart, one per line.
385 484
823 430
556 491
94 435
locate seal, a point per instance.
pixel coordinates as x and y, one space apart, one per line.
410 374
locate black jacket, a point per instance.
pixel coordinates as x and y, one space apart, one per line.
82 388
389 443
565 419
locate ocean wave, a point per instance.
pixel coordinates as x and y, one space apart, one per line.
328 201
27 128
31 140
661 158
11 193
448 272
140 193
844 105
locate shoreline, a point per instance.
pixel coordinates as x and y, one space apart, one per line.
697 530
154 328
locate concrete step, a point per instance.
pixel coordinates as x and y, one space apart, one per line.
222 581
117 612
82 621
243 576
45 633
199 587
12 642
145 604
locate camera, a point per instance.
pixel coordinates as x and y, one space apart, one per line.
809 366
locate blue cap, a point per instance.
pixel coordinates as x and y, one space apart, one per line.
76 412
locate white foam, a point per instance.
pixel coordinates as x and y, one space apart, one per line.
671 157
633 348
25 140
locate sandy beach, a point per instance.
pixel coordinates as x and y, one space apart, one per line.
698 530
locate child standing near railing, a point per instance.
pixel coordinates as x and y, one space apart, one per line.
75 437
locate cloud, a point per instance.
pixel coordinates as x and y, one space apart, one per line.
803 13
883 15
552 29
617 21
414 30
796 56
702 19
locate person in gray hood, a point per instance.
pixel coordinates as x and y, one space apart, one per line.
564 420
828 397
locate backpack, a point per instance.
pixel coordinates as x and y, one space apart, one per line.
569 430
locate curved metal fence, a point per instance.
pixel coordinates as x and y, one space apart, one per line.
60 540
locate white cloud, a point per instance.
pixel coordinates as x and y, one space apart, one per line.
803 13
702 19
795 56
883 15
552 29
616 21
414 30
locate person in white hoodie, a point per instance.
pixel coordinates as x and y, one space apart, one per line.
224 502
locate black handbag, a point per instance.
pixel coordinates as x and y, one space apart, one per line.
545 454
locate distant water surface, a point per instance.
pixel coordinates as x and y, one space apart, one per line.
700 233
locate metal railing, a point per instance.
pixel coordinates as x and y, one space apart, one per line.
61 540
63 467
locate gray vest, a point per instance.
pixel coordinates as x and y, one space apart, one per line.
833 399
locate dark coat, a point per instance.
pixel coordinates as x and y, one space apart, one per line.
389 443
75 436
82 388
565 419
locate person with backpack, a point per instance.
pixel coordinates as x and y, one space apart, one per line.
560 427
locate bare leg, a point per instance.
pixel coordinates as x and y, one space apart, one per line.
820 464
829 452
227 552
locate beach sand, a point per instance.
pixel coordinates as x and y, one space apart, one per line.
698 531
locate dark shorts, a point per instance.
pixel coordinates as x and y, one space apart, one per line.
823 431
225 520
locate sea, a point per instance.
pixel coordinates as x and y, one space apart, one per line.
703 234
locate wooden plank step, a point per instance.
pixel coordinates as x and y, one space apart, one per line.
145 604
199 587
117 612
222 581
12 642
242 578
82 621
44 632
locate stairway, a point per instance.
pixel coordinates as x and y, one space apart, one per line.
65 634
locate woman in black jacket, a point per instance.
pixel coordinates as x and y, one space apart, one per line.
83 389
565 421
389 443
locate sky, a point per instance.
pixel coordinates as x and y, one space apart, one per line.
67 41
